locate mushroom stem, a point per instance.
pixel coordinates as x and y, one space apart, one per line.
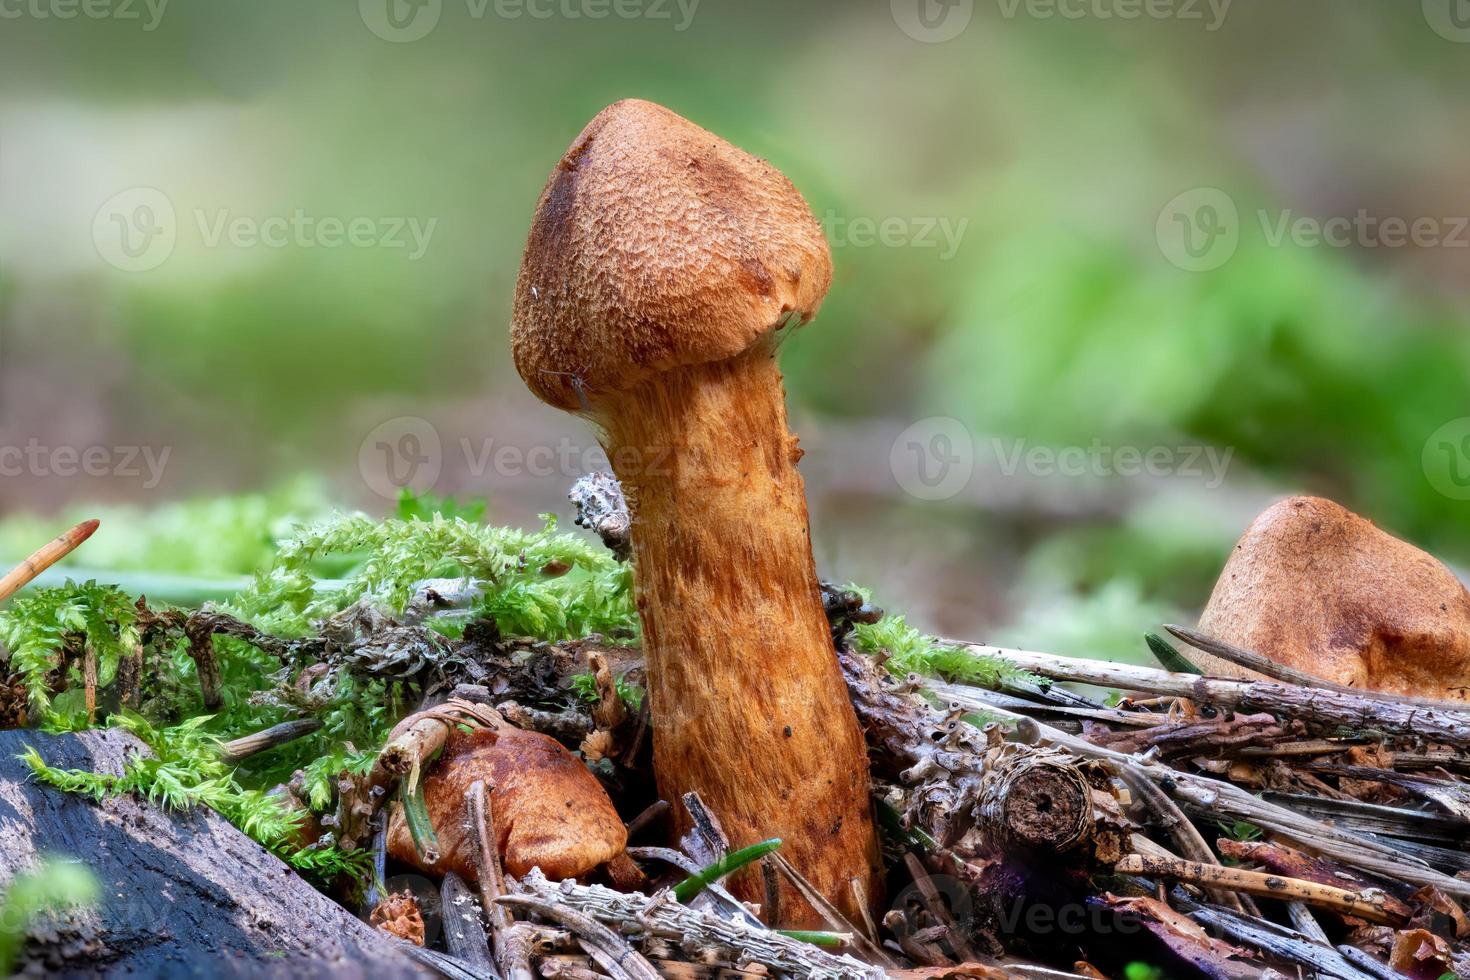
748 702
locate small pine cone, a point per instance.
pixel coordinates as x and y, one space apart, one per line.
399 915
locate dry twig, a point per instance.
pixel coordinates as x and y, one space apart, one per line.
512 954
44 557
1365 905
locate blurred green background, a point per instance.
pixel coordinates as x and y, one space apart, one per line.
1056 223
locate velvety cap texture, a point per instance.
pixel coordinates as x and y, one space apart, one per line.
1316 587
657 244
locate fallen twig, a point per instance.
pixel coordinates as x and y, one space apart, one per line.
698 933
831 913
935 904
1306 923
1184 834
89 682
44 557
1274 940
248 745
610 950
512 954
1264 665
1364 904
714 894
1449 724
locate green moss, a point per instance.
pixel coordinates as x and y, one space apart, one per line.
910 651
542 584
37 626
185 770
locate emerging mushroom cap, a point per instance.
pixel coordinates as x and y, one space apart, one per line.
1316 587
657 244
549 810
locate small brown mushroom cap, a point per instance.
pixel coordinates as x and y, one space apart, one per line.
657 244
1314 586
549 810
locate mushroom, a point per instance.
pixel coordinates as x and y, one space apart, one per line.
1313 586
663 267
549 811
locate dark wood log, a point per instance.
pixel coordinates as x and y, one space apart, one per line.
184 894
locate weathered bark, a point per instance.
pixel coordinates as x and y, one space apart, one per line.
748 705
206 664
464 928
1017 796
184 894
700 935
1218 798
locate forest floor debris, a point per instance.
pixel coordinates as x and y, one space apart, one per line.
1190 826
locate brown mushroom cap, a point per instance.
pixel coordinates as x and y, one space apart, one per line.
657 244
1314 586
549 810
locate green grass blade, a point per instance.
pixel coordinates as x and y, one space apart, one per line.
1169 656
686 890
